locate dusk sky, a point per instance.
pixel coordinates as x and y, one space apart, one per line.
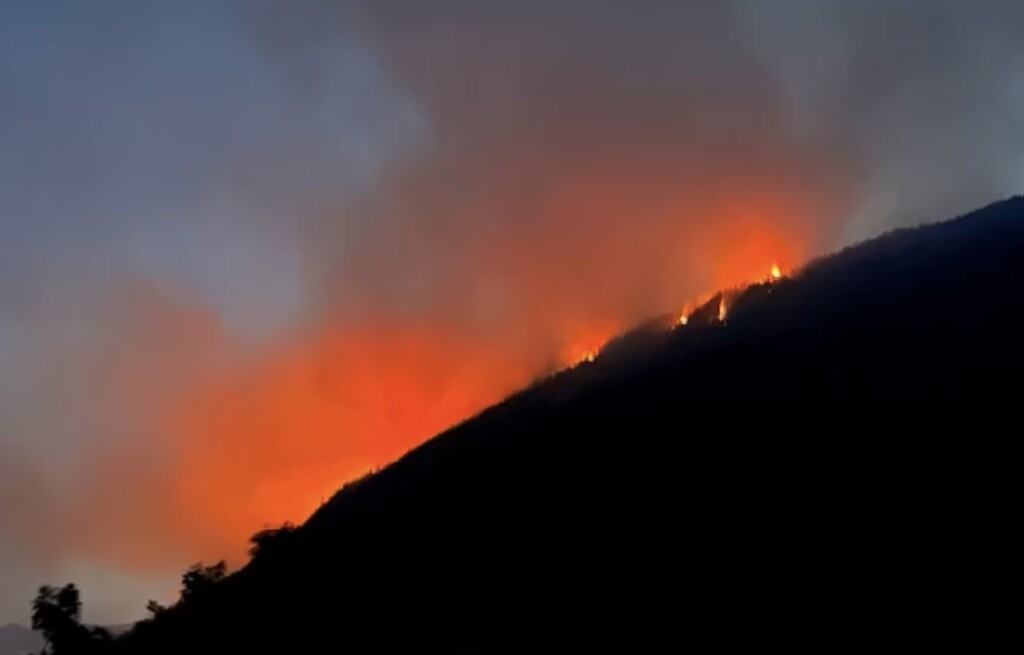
252 249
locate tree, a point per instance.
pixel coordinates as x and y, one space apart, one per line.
56 613
198 578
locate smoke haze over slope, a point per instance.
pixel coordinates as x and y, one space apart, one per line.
249 252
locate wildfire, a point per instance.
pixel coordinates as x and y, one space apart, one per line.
588 357
776 273
722 309
683 319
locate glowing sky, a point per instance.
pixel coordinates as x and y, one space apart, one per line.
250 249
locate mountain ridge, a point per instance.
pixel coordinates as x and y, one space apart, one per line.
831 457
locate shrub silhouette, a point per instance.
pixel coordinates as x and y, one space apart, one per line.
199 579
154 609
270 539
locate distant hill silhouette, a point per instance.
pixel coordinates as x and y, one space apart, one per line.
17 640
836 464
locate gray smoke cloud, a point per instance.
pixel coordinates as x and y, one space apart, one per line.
878 114
926 97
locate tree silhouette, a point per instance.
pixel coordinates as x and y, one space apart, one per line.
198 579
56 613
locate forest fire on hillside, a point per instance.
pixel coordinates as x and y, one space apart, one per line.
589 354
314 412
391 218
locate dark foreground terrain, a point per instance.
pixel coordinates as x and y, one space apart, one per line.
836 465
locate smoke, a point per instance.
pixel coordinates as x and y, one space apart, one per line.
587 160
925 97
334 229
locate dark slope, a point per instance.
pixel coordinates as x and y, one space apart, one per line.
836 464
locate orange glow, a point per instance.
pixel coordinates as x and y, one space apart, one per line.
587 342
262 438
256 442
291 431
776 273
748 238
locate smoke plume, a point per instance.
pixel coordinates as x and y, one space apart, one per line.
291 241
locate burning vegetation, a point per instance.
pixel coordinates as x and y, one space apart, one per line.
708 312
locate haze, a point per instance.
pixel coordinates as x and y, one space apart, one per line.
250 250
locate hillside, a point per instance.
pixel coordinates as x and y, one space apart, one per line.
834 463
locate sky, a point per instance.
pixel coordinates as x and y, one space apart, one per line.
252 249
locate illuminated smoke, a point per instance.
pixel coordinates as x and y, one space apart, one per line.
572 168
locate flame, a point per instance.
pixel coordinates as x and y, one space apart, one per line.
774 274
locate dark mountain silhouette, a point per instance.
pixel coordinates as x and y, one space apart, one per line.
835 464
